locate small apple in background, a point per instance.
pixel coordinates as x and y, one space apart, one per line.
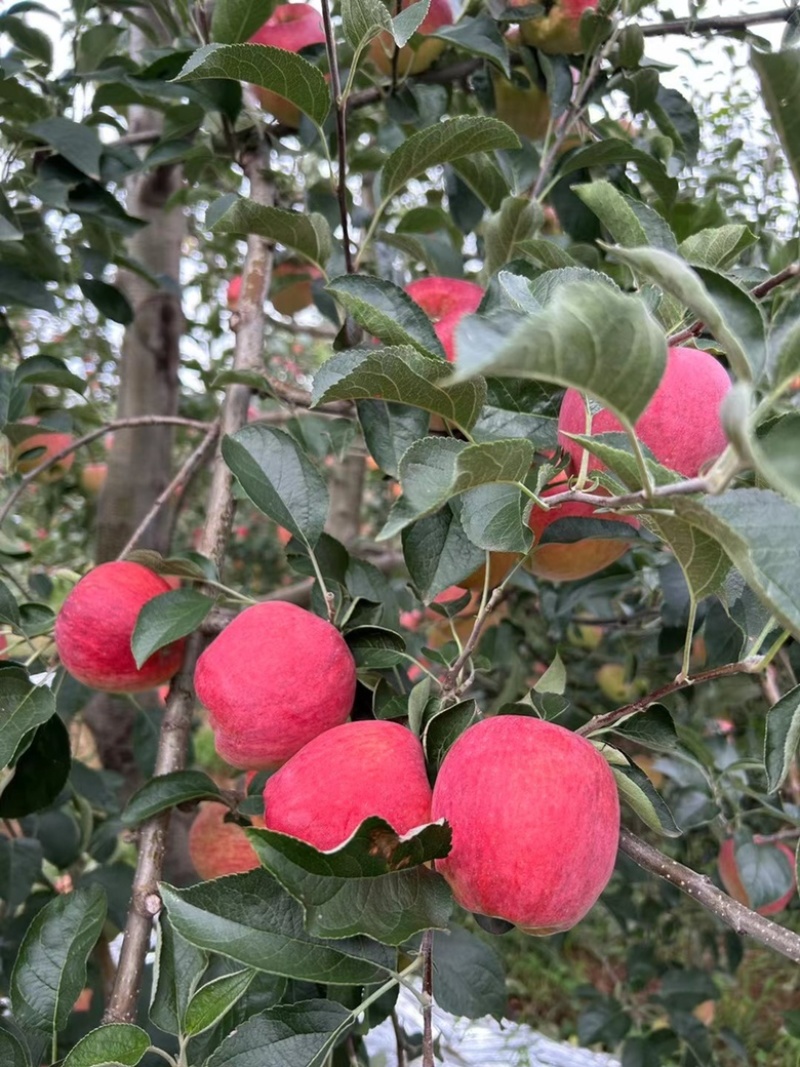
731 878
93 477
521 103
218 848
344 776
535 817
234 292
578 559
290 289
445 301
38 447
409 60
613 681
275 677
412 619
558 32
291 27
681 425
96 622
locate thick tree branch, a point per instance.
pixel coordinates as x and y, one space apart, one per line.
703 890
609 718
176 727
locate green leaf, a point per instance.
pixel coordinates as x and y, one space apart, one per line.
468 975
438 553
443 729
546 253
590 336
685 284
477 37
492 517
408 21
40 772
116 1044
372 850
779 74
716 247
389 429
20 866
252 919
435 469
47 370
50 969
305 232
282 72
630 222
776 455
165 791
399 374
275 473
375 648
178 968
389 908
364 19
215 999
518 219
12 1054
758 530
442 143
653 728
108 300
235 21
637 791
612 151
782 738
480 172
167 618
78 144
9 610
385 311
288 1035
23 706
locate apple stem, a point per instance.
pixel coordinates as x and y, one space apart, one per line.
427 1003
701 888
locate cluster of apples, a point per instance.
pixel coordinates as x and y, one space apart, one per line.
279 684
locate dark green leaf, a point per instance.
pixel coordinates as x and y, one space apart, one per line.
438 553
389 429
468 975
20 866
782 738
375 648
478 37
779 73
23 706
116 1044
235 21
215 999
288 1035
613 151
40 772
12 1054
78 144
637 791
386 311
165 791
108 300
179 967
47 370
167 618
306 233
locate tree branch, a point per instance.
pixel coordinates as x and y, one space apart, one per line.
703 890
109 427
340 108
609 718
724 24
427 999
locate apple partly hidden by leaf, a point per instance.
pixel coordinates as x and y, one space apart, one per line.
94 628
290 289
521 103
559 31
344 776
38 447
275 677
291 27
217 847
775 855
419 57
535 817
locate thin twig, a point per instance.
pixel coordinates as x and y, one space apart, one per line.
109 427
703 890
184 473
717 25
341 133
609 718
427 999
399 1039
450 676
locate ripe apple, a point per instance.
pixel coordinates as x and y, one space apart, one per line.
345 775
558 32
37 448
578 559
93 477
95 625
732 881
409 60
681 424
291 27
277 676
445 301
288 296
234 292
216 847
535 817
521 103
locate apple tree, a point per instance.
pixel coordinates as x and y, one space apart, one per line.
398 547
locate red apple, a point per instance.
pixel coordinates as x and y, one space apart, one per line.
276 677
93 477
291 27
558 32
94 628
681 424
234 292
577 559
410 60
732 880
345 775
535 817
37 448
216 847
289 296
445 301
521 103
